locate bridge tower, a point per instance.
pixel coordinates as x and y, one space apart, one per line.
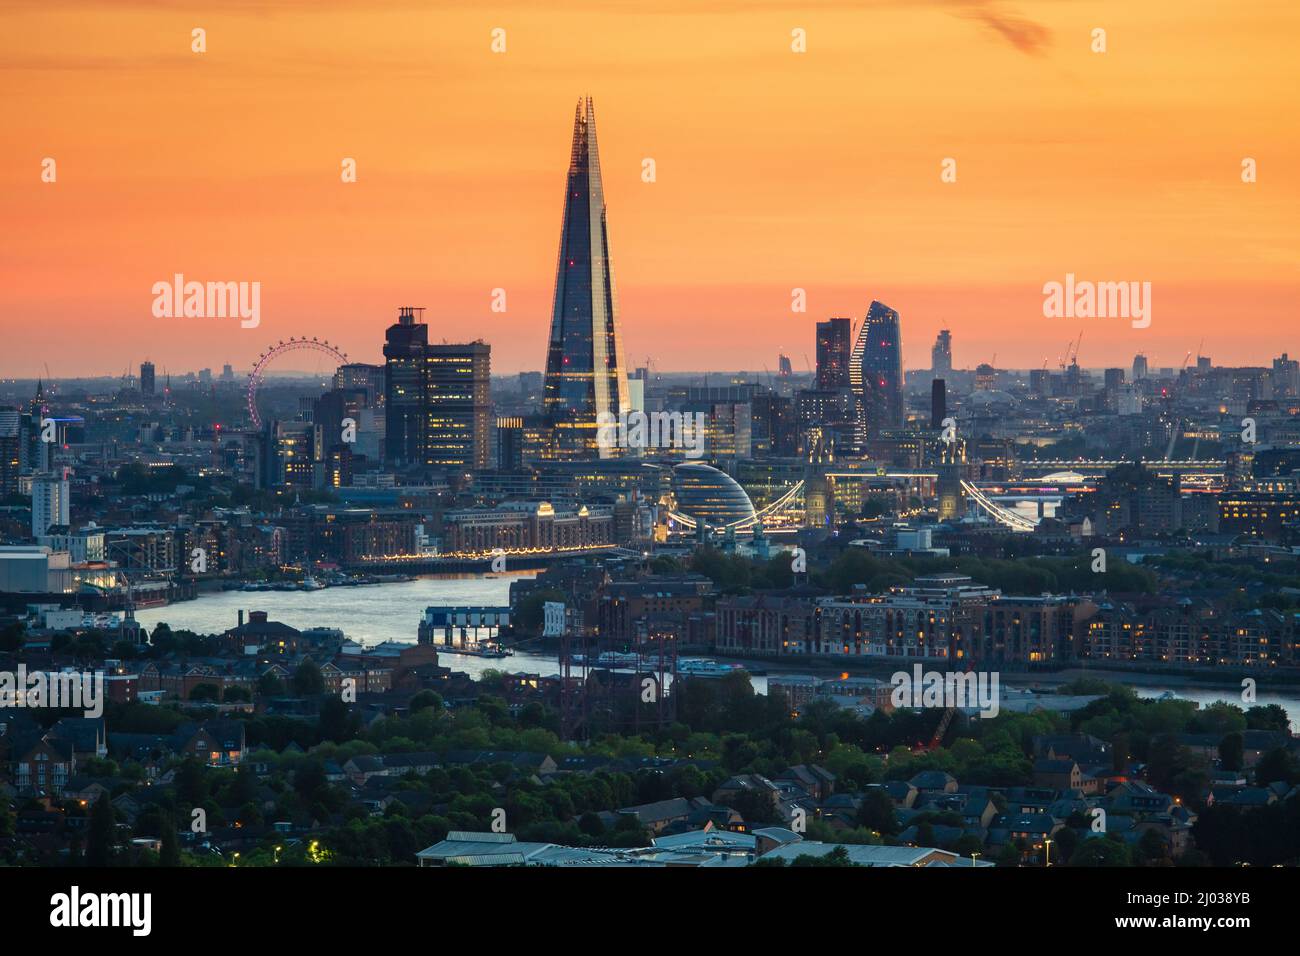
952 463
818 488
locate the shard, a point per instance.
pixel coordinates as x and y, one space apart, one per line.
586 378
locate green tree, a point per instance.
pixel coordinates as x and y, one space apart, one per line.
426 699
529 610
169 853
1101 851
877 811
205 692
100 835
1152 848
307 680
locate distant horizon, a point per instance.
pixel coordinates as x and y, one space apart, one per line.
242 374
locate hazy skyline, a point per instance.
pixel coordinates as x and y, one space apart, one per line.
775 170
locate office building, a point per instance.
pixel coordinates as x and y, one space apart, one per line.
586 378
833 349
876 373
50 501
941 353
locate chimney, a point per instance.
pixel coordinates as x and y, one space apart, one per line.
241 617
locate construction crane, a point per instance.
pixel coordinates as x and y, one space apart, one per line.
942 729
1072 351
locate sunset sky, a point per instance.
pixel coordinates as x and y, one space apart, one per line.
775 170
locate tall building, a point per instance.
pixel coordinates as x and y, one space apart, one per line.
287 456
833 348
458 406
146 378
938 402
941 353
876 373
369 378
12 450
1139 367
50 503
404 387
586 376
510 443
1286 376
437 399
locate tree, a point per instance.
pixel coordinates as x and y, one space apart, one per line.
426 699
530 610
169 853
1101 851
877 811
99 838
1067 841
1152 847
836 857
968 844
1277 766
307 681
269 685
1268 717
191 784
337 721
205 692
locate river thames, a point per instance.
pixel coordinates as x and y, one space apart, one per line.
372 614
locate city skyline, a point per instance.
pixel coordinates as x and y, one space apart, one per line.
1066 162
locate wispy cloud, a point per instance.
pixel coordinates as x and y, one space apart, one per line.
1024 34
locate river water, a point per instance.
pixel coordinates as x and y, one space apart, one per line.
372 614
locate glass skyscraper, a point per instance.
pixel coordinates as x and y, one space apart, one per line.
876 373
585 371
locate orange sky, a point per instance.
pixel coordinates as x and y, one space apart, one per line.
775 170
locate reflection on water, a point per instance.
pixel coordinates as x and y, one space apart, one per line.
391 612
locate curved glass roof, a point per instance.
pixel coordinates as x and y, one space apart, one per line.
709 495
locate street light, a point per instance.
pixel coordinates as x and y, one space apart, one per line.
1047 852
972 858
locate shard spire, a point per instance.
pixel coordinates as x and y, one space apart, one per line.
586 377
